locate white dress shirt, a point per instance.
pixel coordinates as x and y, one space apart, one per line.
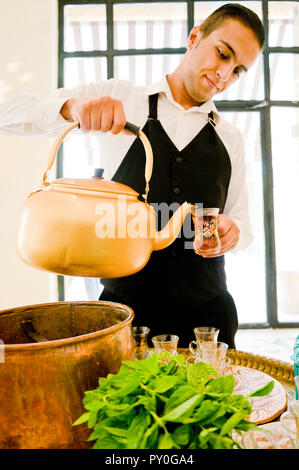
28 114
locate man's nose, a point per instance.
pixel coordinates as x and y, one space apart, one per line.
224 72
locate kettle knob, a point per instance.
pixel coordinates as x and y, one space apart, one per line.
98 173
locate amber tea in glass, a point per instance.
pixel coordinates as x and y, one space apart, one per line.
206 239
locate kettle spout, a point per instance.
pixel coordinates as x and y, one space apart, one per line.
168 234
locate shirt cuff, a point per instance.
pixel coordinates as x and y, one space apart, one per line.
47 113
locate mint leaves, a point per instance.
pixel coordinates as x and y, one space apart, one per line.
164 403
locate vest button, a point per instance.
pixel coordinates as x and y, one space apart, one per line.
179 159
176 190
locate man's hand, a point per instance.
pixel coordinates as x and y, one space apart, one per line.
100 114
228 233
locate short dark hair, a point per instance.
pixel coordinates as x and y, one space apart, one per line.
234 11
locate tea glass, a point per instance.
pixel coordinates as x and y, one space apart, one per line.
206 239
203 334
165 343
213 353
222 368
140 334
267 439
290 421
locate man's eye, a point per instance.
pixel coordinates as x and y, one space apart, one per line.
237 72
222 55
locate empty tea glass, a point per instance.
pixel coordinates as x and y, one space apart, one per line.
290 421
213 352
140 334
223 367
163 343
206 239
267 439
203 334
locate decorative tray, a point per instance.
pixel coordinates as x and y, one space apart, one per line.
265 408
282 371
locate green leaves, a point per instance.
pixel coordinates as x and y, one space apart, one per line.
137 428
162 384
221 386
232 422
182 435
165 441
164 403
263 391
183 410
199 373
180 395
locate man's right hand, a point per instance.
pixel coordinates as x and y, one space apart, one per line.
100 114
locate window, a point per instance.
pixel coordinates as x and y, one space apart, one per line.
140 41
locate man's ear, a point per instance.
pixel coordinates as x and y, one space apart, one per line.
194 37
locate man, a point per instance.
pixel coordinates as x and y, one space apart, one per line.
198 157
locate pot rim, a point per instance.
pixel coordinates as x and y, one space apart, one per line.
73 339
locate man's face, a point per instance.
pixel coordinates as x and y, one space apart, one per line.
213 63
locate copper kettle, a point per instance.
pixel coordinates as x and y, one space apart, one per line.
92 227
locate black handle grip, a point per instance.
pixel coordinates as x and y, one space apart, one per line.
129 127
132 128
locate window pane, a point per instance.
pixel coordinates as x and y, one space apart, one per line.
145 69
150 25
285 150
283 24
81 152
246 270
85 28
82 288
81 71
81 155
284 73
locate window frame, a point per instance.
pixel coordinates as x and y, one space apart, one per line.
263 106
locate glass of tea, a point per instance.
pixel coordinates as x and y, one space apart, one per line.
140 334
202 334
206 239
213 353
163 343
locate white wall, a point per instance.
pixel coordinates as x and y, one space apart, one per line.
28 63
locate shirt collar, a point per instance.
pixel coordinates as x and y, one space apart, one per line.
163 88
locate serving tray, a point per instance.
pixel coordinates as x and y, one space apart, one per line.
267 369
266 408
271 436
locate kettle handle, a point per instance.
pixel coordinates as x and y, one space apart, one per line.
129 126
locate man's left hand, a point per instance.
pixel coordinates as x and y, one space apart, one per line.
228 233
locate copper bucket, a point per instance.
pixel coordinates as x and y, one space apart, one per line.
53 353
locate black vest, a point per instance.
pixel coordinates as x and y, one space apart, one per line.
200 173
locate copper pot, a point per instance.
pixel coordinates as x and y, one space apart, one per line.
53 353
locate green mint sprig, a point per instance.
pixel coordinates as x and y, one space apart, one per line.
164 403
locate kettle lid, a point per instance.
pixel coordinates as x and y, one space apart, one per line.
96 183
